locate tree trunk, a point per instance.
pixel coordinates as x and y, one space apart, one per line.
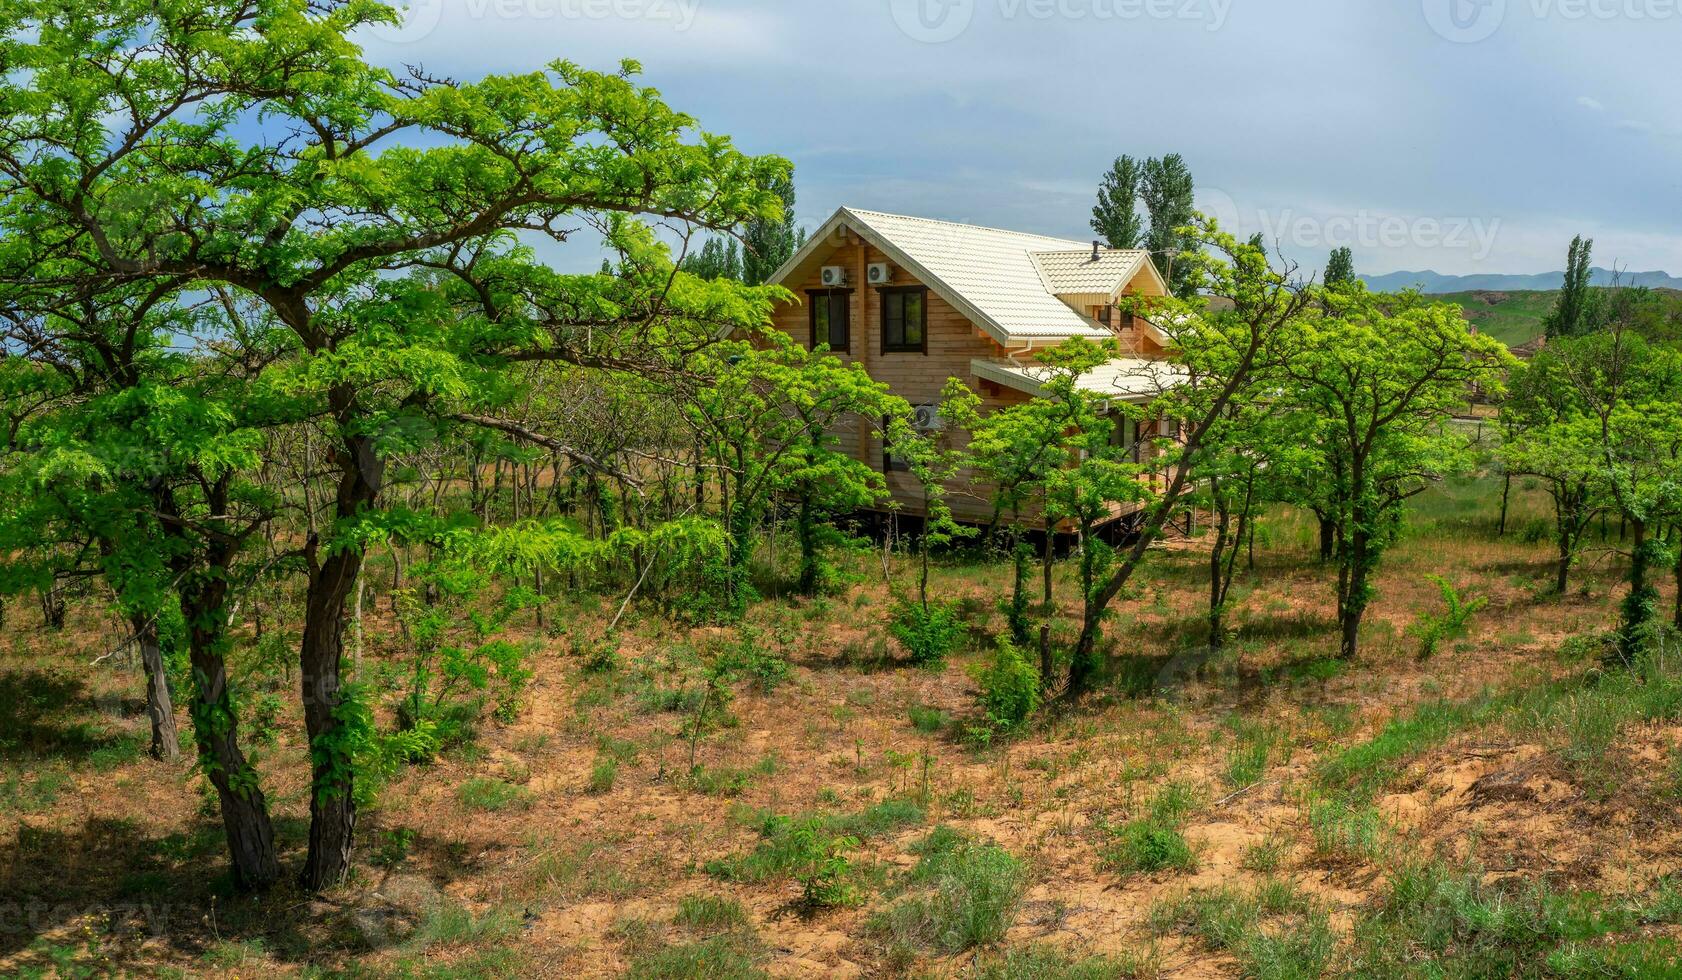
807 530
1328 539
160 707
332 583
1506 495
1220 520
1639 606
245 811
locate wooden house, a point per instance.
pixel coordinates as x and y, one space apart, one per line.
916 301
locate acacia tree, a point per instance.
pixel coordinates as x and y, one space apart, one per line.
1631 394
765 411
1222 353
1256 454
1017 448
123 138
1550 442
1383 376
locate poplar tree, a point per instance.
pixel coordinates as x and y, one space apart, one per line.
1116 217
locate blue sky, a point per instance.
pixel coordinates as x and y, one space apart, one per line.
1457 135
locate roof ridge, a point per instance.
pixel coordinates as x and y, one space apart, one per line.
866 212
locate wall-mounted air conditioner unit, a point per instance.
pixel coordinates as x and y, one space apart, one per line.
834 275
880 273
926 418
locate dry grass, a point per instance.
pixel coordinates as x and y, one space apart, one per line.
517 855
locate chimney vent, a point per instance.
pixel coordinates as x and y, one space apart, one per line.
1095 247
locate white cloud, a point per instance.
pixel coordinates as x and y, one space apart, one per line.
1590 103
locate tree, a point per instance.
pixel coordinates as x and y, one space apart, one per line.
1383 375
1221 353
125 145
1254 452
1168 193
1340 268
1631 395
1549 441
1574 310
1116 217
719 258
768 243
764 410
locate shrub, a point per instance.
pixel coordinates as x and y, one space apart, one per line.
821 865
929 634
1010 688
1431 630
968 894
745 659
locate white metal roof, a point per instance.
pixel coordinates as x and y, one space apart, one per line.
1128 379
1072 273
993 276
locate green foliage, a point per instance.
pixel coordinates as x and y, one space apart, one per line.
1009 688
1433 629
1438 920
1576 308
1340 268
492 795
458 664
928 720
821 866
1153 841
710 913
1274 933
1116 216
965 894
602 775
929 633
748 659
779 855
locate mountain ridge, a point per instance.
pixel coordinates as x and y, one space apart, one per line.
1429 281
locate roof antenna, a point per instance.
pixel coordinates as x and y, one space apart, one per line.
1095 246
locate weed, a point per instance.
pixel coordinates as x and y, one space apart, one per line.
708 913
967 894
492 795
1154 841
602 775
929 720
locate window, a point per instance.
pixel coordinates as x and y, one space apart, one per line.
1125 436
889 463
831 311
1106 316
904 319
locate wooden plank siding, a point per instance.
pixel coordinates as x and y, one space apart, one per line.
953 341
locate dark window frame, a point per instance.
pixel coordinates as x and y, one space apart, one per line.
828 296
922 293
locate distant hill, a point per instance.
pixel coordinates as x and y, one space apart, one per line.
1437 283
1513 317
